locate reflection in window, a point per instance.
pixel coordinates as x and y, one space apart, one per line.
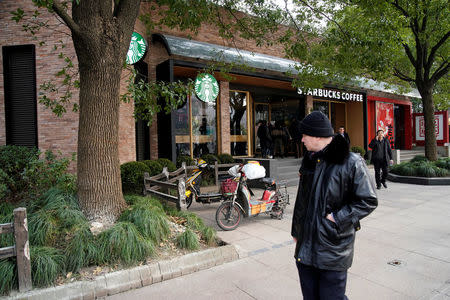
181 129
321 106
204 136
238 123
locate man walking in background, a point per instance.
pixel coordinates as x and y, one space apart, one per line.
334 193
381 157
344 134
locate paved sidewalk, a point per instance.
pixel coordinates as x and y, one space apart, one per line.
411 226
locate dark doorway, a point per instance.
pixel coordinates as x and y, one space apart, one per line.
399 126
19 67
142 129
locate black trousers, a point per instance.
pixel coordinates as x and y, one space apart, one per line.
320 284
380 178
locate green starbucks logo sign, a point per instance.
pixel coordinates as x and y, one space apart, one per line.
206 87
138 46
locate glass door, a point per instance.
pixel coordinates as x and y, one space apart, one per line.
239 123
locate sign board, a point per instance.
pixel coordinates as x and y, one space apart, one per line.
440 125
136 51
332 94
206 87
385 120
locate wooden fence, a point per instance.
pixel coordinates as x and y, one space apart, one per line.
21 249
162 184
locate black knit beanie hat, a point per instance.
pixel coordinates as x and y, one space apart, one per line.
316 124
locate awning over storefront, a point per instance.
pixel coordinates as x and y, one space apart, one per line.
211 52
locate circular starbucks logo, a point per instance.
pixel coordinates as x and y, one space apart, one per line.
206 87
138 46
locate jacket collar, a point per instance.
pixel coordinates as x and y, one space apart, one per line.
335 152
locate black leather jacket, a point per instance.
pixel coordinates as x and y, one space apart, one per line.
332 181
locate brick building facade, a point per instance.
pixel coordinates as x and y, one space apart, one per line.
261 88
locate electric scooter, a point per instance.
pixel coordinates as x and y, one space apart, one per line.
274 200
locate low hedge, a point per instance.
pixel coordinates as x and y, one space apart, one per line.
422 168
358 149
132 175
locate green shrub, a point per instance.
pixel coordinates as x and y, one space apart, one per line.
358 149
185 158
208 235
8 275
123 243
151 221
441 172
188 240
225 158
192 221
132 174
418 158
155 167
25 176
167 163
81 249
13 161
46 264
210 159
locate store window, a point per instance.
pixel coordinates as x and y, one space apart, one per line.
195 128
335 111
239 123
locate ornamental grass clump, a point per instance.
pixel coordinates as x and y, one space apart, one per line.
6 216
81 250
123 243
188 240
46 264
208 235
8 275
151 221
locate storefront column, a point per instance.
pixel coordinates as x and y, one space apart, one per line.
154 139
224 118
308 105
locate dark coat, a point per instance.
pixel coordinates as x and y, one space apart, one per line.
332 181
346 137
381 151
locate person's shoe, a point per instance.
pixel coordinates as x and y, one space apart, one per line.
384 184
378 187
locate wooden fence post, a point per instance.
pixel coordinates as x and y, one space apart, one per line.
22 249
181 203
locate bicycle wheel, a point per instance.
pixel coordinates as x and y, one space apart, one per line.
228 216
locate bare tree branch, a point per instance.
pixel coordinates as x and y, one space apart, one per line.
61 12
409 54
436 47
402 76
441 71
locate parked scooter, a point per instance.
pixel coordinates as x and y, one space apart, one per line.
274 200
193 186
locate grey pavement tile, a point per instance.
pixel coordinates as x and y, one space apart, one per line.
403 280
427 266
360 288
252 244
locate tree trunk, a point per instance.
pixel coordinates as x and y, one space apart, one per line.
428 114
99 183
101 45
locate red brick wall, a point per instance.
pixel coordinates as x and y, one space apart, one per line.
53 132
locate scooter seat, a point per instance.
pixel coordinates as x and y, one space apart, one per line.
267 180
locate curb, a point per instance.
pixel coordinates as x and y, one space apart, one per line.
419 180
137 277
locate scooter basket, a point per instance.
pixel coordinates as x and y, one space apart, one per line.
228 186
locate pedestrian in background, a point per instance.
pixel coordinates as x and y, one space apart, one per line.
381 157
344 134
334 193
264 138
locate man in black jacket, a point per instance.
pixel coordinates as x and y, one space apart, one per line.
334 193
381 157
344 134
